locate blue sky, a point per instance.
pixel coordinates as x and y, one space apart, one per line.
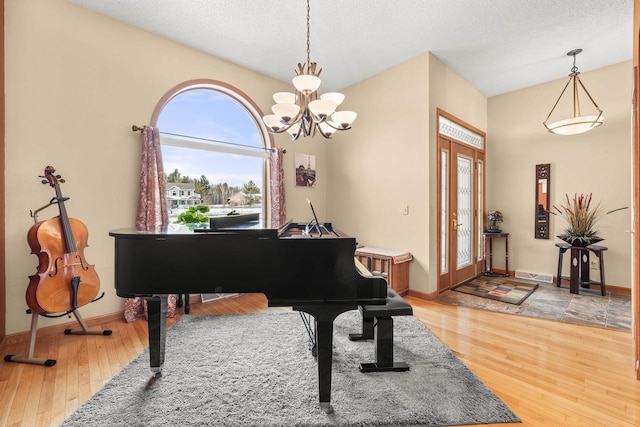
205 113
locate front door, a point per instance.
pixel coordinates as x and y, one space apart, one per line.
464 219
461 183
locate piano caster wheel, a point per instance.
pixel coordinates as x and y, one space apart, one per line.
153 379
326 407
314 351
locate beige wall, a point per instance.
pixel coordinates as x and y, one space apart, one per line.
597 162
378 167
75 83
386 162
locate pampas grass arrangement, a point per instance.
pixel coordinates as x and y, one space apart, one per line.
581 216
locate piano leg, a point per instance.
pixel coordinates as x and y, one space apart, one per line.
324 343
324 316
157 323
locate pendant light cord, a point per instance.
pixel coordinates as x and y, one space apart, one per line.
308 31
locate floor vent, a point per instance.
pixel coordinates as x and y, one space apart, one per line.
534 276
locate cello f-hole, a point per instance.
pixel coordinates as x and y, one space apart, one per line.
54 273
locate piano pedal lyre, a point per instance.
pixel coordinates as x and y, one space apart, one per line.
32 340
310 325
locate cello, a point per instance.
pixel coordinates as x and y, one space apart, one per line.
64 281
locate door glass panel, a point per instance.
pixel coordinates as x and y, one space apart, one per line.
480 209
465 220
444 214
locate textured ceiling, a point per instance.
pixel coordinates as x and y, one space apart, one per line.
496 45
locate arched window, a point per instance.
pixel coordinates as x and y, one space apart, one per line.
214 149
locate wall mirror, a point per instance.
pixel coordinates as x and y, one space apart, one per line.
543 181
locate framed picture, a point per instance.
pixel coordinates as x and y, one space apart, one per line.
305 165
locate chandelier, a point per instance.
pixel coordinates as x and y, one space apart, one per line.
577 123
305 112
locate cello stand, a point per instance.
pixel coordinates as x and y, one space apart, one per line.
85 329
32 340
34 320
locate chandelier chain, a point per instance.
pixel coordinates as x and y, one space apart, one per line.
574 68
308 31
574 53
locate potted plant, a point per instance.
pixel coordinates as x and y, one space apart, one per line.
581 217
494 218
194 217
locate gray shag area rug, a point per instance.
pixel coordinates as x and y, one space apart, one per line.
257 370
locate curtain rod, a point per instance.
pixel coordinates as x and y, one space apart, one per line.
136 128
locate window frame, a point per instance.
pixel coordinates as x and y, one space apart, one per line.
247 103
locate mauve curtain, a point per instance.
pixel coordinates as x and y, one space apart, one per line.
152 209
276 171
152 196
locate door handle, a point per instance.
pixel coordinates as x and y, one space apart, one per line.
455 224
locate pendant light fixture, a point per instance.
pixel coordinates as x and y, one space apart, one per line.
576 123
304 112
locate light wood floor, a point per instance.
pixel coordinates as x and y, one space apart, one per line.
548 373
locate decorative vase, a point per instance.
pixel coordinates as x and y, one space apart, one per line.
580 241
493 228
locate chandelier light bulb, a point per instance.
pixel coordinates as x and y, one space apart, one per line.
306 83
343 119
294 130
326 130
322 108
273 123
287 112
333 96
575 125
284 98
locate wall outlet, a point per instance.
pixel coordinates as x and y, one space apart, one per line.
593 265
405 210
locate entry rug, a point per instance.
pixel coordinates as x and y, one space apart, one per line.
498 289
257 370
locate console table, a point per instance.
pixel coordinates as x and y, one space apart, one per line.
392 265
487 239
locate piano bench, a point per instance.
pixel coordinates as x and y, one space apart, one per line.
377 323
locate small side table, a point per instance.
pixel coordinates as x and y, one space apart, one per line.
392 265
488 262
579 272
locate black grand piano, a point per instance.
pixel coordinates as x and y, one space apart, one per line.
311 269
